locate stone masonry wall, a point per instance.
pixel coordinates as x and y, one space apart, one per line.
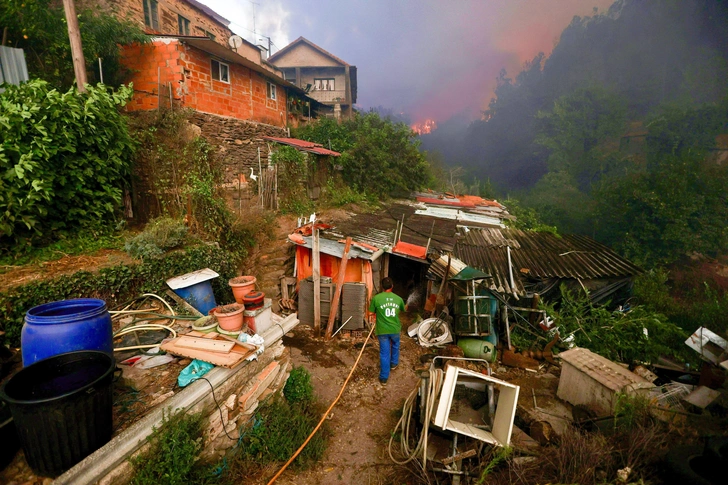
238 142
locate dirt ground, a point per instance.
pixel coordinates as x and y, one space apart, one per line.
22 275
363 419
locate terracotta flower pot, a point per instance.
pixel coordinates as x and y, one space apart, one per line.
230 317
242 285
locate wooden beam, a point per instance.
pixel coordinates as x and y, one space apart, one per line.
316 263
74 35
339 286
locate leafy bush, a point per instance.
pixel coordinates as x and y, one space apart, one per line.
116 284
639 335
158 236
64 158
298 388
39 27
173 454
379 156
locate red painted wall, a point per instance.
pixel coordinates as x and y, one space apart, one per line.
189 70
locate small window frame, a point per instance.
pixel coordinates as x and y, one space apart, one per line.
328 82
217 73
151 14
183 25
271 91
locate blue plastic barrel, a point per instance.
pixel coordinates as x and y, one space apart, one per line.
196 289
66 326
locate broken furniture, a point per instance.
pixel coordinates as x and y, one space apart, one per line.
594 381
505 410
712 347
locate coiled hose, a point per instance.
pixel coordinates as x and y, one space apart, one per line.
431 393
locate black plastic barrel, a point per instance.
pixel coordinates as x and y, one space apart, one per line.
62 408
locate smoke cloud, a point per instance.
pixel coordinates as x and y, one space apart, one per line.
426 58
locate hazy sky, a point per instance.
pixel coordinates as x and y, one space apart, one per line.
427 58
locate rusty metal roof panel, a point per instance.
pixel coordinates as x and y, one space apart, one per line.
542 255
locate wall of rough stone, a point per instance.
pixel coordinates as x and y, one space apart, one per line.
238 142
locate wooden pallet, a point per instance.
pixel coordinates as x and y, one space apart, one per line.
228 360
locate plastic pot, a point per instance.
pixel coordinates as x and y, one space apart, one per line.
205 324
230 317
241 286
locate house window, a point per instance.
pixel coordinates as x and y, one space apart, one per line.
324 84
151 14
202 32
183 25
220 71
271 91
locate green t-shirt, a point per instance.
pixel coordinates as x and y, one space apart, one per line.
386 306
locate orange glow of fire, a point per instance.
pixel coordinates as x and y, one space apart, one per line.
424 127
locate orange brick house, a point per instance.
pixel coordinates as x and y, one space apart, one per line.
181 17
199 73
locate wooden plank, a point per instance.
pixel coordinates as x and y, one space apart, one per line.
339 285
207 344
184 304
229 360
316 282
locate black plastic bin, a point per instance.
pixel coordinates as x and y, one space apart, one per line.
62 408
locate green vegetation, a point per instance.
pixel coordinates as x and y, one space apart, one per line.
638 335
180 175
298 388
85 241
116 284
280 427
378 156
274 433
64 159
39 27
159 235
172 458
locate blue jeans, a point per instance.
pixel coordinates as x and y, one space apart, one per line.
388 353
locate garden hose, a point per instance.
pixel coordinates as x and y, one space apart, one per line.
323 418
431 393
142 328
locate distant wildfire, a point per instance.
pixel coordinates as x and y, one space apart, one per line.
424 127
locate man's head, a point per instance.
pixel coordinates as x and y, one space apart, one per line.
387 283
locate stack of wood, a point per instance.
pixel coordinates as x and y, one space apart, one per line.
268 188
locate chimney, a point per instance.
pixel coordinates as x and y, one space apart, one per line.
263 52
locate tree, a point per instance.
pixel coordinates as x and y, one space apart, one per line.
39 27
379 156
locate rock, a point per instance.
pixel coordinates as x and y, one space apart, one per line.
542 432
184 362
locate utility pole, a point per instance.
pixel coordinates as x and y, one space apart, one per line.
74 34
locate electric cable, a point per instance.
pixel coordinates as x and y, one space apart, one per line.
325 415
219 408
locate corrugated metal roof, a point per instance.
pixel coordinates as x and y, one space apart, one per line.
378 228
304 146
13 69
539 255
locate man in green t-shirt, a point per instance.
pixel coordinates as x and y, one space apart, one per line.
386 306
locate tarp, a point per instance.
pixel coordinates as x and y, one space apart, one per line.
470 273
357 270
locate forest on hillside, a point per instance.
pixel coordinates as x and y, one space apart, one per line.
614 134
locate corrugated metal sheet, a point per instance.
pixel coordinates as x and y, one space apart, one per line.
353 304
539 255
303 145
13 69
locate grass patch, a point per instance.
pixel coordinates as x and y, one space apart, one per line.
172 458
82 242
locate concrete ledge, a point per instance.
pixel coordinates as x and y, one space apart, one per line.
197 397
